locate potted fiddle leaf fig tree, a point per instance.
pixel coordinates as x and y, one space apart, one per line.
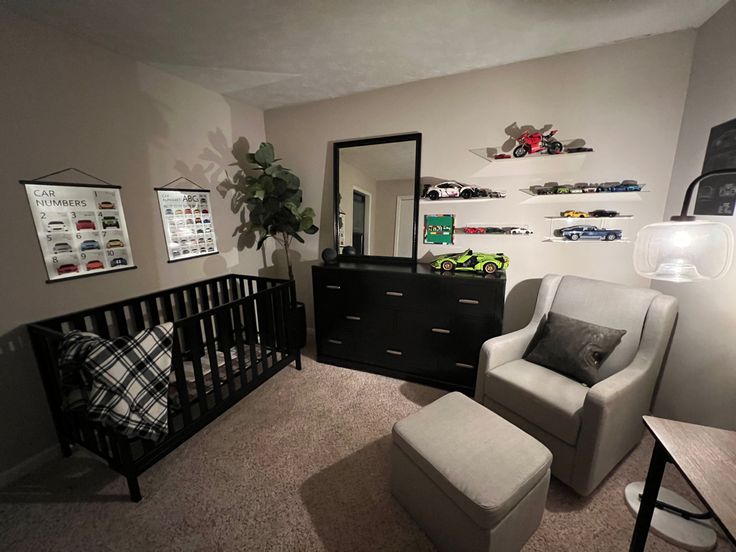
272 197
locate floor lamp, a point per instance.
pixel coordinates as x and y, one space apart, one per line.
684 249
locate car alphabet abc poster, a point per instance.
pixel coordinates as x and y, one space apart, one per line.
189 229
81 229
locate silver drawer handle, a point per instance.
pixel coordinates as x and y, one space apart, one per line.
463 365
394 293
394 352
333 287
440 330
351 317
334 341
468 301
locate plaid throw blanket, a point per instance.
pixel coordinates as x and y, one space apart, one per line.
121 382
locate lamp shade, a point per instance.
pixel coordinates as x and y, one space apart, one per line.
683 251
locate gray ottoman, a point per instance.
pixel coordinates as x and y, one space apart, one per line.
469 478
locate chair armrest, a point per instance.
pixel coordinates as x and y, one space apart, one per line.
500 350
611 423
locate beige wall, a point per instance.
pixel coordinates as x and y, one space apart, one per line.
64 102
625 99
699 383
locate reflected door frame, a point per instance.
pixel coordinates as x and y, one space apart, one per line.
397 220
367 219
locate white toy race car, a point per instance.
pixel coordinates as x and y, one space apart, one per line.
452 188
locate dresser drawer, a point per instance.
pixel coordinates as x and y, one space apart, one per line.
470 297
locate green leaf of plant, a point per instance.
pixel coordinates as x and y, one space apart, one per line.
298 238
308 212
312 230
264 156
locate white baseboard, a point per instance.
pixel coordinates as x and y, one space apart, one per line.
29 465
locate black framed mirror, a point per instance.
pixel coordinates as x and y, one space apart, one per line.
377 187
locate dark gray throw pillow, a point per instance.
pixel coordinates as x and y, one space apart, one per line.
572 347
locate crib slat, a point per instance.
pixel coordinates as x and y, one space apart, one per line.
181 304
177 365
152 305
222 320
137 311
168 301
242 361
194 341
101 324
121 322
191 295
212 354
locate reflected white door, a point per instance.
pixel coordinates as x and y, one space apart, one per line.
403 232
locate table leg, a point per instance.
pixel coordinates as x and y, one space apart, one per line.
649 498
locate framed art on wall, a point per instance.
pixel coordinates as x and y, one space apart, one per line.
439 229
81 228
189 228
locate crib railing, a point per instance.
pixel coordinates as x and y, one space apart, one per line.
243 325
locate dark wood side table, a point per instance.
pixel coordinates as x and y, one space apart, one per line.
706 457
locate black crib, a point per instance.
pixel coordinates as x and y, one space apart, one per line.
254 321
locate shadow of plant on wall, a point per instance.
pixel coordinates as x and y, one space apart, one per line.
267 197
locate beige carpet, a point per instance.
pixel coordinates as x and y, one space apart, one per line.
300 464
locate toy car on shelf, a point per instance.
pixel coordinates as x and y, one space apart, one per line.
586 187
579 150
590 232
502 156
571 213
452 188
547 189
627 186
106 205
517 231
487 263
483 230
602 213
534 142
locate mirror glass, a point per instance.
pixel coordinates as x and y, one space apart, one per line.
376 185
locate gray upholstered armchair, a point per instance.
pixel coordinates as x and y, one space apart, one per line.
588 430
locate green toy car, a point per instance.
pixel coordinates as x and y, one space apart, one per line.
488 263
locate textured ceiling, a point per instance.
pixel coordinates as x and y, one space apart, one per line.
272 53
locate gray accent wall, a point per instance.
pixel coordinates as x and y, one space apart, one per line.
699 382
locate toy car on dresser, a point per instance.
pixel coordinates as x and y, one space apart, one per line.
486 263
590 232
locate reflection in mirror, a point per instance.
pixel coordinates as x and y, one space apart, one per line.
376 187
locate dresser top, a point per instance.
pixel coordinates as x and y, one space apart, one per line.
418 268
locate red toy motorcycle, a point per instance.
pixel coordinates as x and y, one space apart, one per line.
536 142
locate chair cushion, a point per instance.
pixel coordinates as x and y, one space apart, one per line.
483 463
545 398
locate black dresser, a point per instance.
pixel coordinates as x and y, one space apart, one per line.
406 321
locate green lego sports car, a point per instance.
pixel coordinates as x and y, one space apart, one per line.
487 263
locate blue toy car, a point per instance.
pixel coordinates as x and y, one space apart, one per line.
627 186
589 232
88 245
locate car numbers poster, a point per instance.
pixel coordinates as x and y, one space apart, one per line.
81 228
188 225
